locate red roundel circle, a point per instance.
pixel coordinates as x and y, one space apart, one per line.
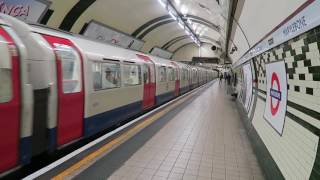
274 79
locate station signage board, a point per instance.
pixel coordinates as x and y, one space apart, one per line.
276 100
302 20
102 32
156 51
26 10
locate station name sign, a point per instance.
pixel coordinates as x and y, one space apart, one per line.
27 10
295 26
305 18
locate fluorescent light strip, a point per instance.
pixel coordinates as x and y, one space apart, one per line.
163 4
181 25
167 5
172 15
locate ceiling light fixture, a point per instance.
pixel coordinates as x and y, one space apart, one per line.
177 2
189 21
172 15
163 4
187 31
183 23
184 10
194 26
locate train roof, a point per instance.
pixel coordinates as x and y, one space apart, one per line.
93 49
98 50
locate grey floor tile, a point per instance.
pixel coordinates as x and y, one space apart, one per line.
205 140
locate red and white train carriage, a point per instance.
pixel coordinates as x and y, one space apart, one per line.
57 88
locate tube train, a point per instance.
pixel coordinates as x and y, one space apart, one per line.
57 88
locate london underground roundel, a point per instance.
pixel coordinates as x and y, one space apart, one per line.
275 94
276 100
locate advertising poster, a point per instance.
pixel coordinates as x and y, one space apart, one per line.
240 85
26 10
96 30
156 51
276 100
247 85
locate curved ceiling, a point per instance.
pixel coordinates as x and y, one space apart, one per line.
145 19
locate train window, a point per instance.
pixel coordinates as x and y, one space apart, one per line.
171 74
163 74
186 74
152 73
176 74
131 75
106 75
97 76
111 75
5 85
5 73
145 71
182 74
71 68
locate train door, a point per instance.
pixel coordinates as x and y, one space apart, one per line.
149 89
70 89
10 102
177 79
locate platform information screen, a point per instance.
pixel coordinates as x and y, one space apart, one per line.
276 100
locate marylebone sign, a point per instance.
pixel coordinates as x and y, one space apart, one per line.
307 17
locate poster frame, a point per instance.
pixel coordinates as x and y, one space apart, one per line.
83 31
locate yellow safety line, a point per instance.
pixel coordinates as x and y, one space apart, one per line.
84 161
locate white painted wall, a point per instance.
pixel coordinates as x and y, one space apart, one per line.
61 8
259 17
186 53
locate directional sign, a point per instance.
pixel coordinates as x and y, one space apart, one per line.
276 101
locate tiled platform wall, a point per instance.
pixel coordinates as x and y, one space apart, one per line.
296 153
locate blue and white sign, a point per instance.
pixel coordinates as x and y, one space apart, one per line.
26 10
276 101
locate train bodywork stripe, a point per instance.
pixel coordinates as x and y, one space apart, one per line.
184 89
164 97
52 139
100 122
25 150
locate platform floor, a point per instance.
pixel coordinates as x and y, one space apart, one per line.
203 140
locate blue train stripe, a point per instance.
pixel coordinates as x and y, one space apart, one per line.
100 122
164 97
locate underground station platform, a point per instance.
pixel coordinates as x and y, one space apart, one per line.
197 136
160 89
